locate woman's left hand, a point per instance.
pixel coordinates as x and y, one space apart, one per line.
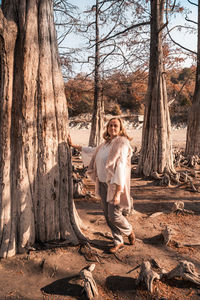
116 199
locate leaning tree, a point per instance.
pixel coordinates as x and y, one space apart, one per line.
156 151
193 129
35 163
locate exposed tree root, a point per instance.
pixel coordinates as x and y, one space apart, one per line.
167 234
78 188
90 286
167 178
147 276
180 160
185 270
190 179
190 176
164 238
78 185
89 253
178 208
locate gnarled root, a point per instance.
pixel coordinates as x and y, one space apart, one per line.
89 253
185 270
166 178
90 286
167 234
178 207
147 276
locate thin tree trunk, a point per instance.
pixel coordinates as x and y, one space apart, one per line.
36 176
156 151
193 129
97 117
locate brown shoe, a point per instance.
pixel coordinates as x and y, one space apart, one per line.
116 248
131 238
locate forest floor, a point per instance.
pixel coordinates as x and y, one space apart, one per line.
51 273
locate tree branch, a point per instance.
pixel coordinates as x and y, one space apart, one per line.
125 30
192 3
163 26
179 44
191 21
173 5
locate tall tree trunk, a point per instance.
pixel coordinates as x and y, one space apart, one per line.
193 129
156 151
97 117
35 161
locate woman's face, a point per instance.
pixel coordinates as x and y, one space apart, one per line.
113 128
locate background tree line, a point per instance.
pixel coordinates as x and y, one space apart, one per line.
124 93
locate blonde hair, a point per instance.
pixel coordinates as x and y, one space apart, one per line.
122 132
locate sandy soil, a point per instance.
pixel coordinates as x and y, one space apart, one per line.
50 271
81 137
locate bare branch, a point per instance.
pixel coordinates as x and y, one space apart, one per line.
173 5
192 3
124 31
179 44
163 26
191 21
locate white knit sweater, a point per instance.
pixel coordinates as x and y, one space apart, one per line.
110 163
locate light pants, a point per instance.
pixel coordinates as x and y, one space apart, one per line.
114 218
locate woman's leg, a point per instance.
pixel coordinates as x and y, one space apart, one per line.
114 218
119 222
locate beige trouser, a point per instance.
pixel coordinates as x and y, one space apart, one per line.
114 217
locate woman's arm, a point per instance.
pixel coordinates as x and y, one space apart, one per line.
116 198
70 143
86 152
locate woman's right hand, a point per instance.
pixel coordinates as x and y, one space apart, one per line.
69 140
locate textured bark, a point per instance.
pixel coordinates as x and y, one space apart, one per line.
97 117
147 276
35 161
90 286
156 151
193 129
184 270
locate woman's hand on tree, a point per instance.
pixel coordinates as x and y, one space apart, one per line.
69 140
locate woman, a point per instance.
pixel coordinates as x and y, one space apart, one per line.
109 168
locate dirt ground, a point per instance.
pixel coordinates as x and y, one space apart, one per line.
51 273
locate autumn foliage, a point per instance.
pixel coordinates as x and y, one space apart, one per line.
126 93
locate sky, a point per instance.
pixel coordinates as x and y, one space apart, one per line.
187 40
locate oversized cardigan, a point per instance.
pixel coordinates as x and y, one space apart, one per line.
115 154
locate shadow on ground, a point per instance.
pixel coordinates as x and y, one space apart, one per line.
63 287
119 283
